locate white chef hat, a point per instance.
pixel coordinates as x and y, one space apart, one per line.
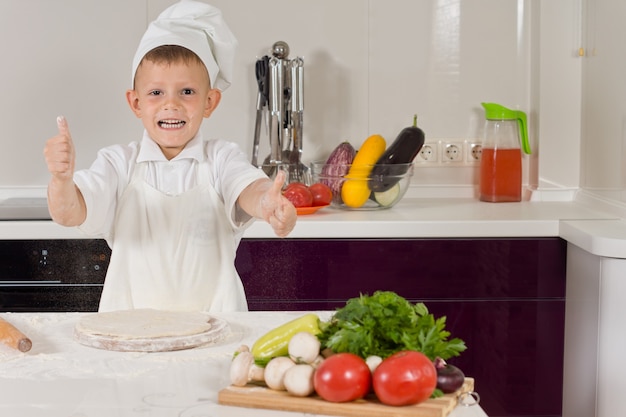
198 27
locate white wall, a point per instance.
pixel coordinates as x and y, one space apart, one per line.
604 105
68 57
556 97
369 66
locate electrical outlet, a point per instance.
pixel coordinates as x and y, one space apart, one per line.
452 152
475 151
428 153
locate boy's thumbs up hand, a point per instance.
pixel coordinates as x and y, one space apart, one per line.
277 210
59 152
62 126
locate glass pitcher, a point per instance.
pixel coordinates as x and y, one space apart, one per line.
501 160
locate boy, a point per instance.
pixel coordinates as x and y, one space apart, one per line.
172 207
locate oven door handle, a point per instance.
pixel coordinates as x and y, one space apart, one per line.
29 283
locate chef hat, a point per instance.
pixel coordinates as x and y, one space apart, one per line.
198 27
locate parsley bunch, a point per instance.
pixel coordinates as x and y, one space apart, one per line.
385 323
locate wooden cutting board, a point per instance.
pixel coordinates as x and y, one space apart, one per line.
219 328
257 396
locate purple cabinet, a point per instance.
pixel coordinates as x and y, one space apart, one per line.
504 297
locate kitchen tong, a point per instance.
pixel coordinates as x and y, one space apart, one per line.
261 72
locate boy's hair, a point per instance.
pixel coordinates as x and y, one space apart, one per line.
170 54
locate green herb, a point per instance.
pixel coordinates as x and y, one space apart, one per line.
385 323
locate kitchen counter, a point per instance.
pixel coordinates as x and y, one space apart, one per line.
60 377
597 231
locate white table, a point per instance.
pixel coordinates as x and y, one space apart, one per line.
59 377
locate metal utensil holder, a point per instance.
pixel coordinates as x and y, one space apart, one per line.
280 106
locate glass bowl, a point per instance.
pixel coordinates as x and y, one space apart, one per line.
369 187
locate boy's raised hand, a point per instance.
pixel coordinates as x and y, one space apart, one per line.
277 210
65 202
59 152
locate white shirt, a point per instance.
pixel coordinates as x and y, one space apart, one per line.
104 182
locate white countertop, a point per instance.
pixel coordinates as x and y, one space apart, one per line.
597 231
59 377
446 217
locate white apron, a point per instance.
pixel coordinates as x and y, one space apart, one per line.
172 252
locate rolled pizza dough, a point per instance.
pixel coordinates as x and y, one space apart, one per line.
144 324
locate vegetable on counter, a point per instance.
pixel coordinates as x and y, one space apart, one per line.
380 344
302 195
299 380
336 167
276 342
342 377
322 194
355 190
385 323
303 353
243 369
298 194
405 378
275 372
304 347
449 377
403 150
388 197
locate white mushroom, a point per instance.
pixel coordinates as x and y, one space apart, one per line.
299 380
373 362
318 361
275 372
304 347
243 348
244 370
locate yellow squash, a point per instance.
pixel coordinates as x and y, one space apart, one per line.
355 190
276 342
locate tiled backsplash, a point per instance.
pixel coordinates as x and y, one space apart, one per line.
369 66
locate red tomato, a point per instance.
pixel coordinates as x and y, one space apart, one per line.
322 194
342 377
405 378
299 194
295 185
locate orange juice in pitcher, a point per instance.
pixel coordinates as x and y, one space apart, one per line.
501 160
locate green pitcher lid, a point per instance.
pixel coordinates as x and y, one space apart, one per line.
495 111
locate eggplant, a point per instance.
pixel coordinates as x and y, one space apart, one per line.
391 166
449 377
336 167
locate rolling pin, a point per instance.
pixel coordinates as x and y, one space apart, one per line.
11 336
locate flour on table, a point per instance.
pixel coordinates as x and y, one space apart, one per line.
144 324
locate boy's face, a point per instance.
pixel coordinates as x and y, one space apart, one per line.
171 99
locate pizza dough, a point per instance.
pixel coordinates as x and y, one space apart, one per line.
147 330
145 323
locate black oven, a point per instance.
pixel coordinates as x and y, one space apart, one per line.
52 275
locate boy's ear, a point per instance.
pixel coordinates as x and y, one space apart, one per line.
133 102
213 100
